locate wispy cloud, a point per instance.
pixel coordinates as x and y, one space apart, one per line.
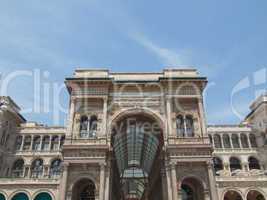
165 55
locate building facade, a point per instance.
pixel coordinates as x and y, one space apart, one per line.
133 136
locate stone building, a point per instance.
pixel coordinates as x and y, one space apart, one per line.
133 136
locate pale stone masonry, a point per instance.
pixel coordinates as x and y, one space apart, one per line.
133 136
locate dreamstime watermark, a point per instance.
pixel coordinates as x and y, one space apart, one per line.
48 96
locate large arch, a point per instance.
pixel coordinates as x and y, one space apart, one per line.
137 139
255 195
192 188
134 111
84 189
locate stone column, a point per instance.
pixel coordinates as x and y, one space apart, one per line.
27 172
50 142
107 184
22 143
63 183
202 116
163 184
71 116
59 141
41 142
249 143
102 182
240 142
169 185
105 111
169 116
32 138
174 182
212 182
231 142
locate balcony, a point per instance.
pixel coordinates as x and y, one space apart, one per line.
28 181
188 141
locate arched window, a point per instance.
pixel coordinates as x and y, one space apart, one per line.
192 189
189 126
45 144
244 141
255 195
18 143
17 169
37 168
20 196
88 192
43 196
232 195
210 138
217 141
84 127
36 143
187 192
84 190
253 141
235 164
253 163
226 141
180 126
62 140
55 143
55 168
235 141
218 164
27 143
93 126
3 138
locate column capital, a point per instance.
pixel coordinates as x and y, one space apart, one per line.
73 98
105 98
209 164
65 165
173 164
102 164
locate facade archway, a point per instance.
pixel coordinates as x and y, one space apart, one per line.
20 196
192 189
232 195
84 190
137 140
255 195
43 196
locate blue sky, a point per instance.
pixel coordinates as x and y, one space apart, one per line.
225 40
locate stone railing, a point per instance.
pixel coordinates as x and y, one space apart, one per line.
235 150
188 140
28 181
90 141
38 152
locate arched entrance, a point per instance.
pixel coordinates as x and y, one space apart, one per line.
2 197
255 195
232 195
20 196
43 196
84 190
192 189
137 141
